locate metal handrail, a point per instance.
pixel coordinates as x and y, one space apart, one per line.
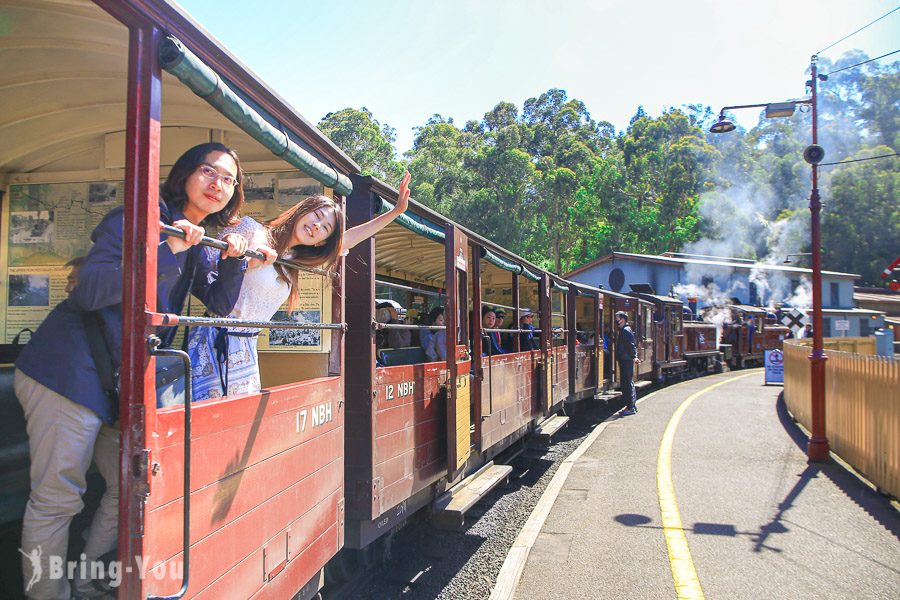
222 245
378 325
173 320
154 349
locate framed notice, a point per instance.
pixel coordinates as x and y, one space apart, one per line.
45 225
314 306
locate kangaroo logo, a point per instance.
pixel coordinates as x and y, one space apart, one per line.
36 570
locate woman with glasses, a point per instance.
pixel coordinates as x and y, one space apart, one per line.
71 415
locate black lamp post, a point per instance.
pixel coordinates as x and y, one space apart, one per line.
817 450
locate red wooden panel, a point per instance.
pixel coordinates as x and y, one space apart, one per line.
409 447
585 362
405 475
699 337
560 373
216 558
403 417
264 432
775 336
216 506
211 417
406 440
511 387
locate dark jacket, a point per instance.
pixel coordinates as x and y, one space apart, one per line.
527 340
490 344
58 355
626 347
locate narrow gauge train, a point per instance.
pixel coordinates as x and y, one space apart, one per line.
254 495
417 426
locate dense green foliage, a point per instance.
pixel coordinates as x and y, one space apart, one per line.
561 189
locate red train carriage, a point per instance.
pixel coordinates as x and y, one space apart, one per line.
92 120
417 424
667 332
700 348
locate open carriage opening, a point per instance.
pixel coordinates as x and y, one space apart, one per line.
90 123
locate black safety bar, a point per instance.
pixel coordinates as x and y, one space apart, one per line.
512 330
221 245
153 344
170 320
378 325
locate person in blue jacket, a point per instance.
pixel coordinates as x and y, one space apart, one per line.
527 339
70 418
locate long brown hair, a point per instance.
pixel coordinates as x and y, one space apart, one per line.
281 229
174 194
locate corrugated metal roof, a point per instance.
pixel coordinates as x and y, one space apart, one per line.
890 298
736 263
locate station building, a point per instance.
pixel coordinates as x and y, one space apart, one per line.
701 281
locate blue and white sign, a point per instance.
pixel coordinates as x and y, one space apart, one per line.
774 366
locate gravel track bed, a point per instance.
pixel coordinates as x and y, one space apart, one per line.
430 563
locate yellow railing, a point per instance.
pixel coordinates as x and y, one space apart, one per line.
862 405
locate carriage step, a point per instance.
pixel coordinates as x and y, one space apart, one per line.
639 385
550 427
608 395
450 508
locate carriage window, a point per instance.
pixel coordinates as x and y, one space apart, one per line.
410 295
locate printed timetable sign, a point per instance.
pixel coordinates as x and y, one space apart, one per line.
774 366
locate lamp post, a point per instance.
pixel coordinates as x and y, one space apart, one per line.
817 451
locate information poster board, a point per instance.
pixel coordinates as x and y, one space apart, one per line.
45 225
774 366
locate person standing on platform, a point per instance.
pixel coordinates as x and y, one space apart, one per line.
626 356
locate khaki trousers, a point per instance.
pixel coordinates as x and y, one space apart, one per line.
63 437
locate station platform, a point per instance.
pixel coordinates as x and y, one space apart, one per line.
705 492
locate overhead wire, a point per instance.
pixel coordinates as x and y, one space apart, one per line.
858 30
862 63
840 162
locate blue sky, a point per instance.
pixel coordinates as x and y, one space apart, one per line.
406 60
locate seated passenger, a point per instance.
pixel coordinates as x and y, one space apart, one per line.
399 338
491 340
435 342
527 340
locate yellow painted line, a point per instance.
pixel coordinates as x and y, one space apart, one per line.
687 584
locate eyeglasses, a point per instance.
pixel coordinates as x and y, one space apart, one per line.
210 172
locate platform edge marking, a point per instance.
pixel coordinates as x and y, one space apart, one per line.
684 575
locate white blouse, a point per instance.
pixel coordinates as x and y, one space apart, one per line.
262 292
